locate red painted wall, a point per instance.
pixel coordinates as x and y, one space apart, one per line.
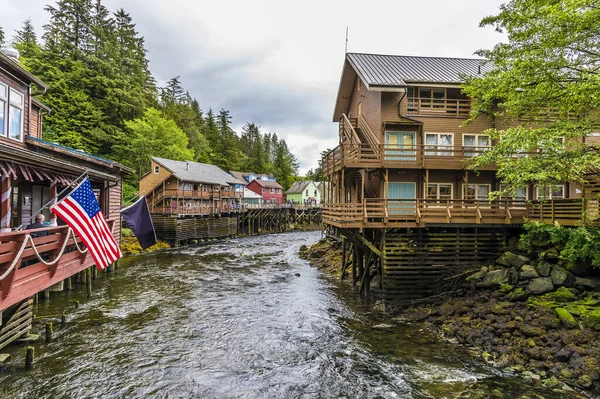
267 195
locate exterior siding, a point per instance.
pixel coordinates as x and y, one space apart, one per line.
370 103
149 181
267 195
114 205
34 122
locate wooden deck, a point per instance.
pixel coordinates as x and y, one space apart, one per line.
381 213
361 156
23 274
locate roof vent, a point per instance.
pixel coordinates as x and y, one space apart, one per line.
187 165
10 51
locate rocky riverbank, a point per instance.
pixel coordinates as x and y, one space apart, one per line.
131 246
528 313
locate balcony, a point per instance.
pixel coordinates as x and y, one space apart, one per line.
389 156
394 213
439 107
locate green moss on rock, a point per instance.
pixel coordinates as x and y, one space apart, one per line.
566 318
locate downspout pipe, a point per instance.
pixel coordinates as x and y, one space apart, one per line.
402 98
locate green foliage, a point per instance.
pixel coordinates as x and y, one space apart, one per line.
542 87
1 36
105 101
581 244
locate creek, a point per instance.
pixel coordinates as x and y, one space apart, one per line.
240 318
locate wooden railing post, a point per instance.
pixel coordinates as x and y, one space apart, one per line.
552 204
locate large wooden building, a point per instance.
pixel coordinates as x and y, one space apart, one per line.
401 189
33 172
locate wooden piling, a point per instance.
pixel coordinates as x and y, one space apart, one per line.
69 284
63 319
94 273
46 295
343 258
48 332
88 281
29 357
76 305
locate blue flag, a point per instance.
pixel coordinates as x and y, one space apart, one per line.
137 217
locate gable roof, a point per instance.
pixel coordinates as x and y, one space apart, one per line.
197 172
251 194
243 175
298 187
266 183
380 72
21 72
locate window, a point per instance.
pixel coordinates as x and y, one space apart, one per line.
307 193
263 190
479 192
185 186
520 195
440 191
438 141
278 191
475 143
432 98
3 101
15 115
555 191
156 169
271 190
273 201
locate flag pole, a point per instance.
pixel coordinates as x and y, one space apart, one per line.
84 174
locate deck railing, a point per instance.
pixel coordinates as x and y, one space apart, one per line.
439 106
383 155
380 212
29 264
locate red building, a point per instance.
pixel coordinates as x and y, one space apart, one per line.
271 191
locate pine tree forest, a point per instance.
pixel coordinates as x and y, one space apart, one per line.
105 101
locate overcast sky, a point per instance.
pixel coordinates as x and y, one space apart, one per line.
278 63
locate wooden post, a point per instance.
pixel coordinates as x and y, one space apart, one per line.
48 332
5 211
343 258
63 319
354 263
88 281
46 295
29 357
94 273
76 304
53 199
69 284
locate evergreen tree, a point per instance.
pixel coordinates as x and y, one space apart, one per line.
1 36
25 40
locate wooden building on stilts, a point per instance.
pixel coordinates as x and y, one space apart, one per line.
34 172
401 193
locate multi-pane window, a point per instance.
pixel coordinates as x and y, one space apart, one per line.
438 142
432 98
440 191
3 103
555 191
519 196
156 169
186 186
475 144
271 190
479 192
15 115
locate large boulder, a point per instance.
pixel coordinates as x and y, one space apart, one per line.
561 277
528 272
550 254
585 283
512 260
540 285
497 277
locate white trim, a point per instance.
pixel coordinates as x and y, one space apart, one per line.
21 107
464 190
562 186
437 152
476 147
156 169
426 191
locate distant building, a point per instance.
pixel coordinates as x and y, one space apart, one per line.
304 191
271 191
186 187
252 198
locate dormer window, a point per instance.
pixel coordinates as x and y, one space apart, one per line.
15 115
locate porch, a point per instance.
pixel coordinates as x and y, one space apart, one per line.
406 213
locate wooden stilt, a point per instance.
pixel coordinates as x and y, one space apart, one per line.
88 281
343 273
29 357
48 332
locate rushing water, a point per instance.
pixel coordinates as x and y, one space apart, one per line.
242 318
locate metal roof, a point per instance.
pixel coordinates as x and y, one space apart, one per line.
398 70
197 172
266 183
298 187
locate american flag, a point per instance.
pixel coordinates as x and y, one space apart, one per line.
81 212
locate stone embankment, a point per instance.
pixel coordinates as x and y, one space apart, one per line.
527 313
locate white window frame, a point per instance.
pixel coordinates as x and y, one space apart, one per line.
4 104
20 106
272 190
426 185
156 169
273 201
517 201
438 149
543 197
475 148
464 191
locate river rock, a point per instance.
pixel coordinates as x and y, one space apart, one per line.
540 285
585 283
528 272
584 381
512 260
561 277
566 318
497 277
544 269
550 254
580 268
564 354
477 276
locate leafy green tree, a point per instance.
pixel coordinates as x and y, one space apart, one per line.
543 86
153 135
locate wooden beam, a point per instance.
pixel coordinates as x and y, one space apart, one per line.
366 242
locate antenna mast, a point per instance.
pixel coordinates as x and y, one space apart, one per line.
346 49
